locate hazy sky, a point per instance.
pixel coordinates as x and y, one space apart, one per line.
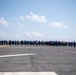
38 20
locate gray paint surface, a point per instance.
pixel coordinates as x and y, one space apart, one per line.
61 60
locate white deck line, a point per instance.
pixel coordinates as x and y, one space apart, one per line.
28 73
1 56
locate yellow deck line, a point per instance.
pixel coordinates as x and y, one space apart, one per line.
3 46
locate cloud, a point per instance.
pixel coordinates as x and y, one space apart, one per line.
2 34
22 17
58 24
33 34
15 36
3 22
37 18
61 38
19 26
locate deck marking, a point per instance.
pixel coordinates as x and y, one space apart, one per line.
3 46
28 73
1 56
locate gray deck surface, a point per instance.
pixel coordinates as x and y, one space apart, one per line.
61 60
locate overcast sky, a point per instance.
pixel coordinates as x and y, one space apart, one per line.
38 20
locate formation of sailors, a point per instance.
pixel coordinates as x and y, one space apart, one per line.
50 43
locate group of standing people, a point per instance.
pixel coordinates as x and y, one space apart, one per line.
50 43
